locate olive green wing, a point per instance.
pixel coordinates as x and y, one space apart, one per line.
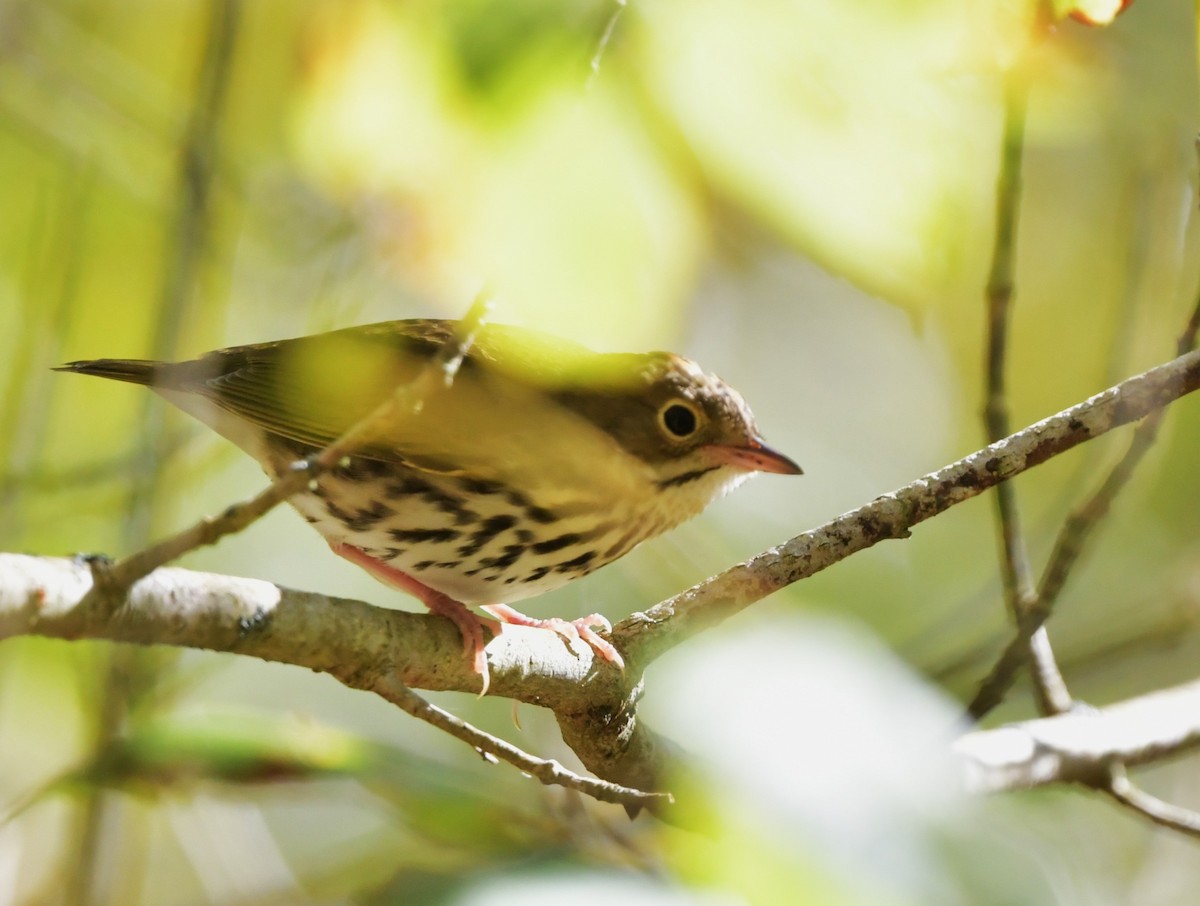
312 390
505 398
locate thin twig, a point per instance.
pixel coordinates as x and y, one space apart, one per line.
1077 530
548 771
1032 607
1164 814
1017 574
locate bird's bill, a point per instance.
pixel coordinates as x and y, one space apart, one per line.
754 456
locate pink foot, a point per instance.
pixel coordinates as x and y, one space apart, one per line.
470 625
568 629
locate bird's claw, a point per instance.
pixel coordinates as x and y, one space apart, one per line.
571 630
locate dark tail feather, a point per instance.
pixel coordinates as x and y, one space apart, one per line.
135 371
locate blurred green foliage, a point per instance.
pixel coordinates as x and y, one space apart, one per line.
798 194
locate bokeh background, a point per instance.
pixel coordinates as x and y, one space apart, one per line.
800 195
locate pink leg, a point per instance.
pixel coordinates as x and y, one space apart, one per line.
470 625
568 629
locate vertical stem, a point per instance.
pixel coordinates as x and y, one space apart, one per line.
1017 575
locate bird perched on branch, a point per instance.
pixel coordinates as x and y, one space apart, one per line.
538 463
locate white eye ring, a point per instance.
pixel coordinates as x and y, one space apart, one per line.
679 419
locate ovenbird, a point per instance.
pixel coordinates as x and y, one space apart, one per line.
539 463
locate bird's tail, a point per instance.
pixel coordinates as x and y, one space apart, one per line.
134 371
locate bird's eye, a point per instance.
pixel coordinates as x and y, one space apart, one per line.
679 419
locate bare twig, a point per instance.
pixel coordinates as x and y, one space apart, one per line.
546 770
1072 538
1164 814
1015 571
1030 606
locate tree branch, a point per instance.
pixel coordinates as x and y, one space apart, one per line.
365 647
348 639
595 703
381 650
1080 746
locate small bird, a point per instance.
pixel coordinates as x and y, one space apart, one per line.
538 463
